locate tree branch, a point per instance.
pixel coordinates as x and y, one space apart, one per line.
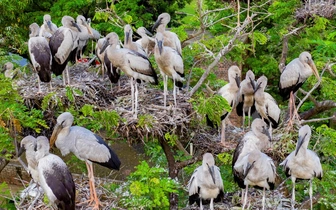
319 108
317 120
222 52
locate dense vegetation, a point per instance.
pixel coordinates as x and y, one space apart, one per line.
277 33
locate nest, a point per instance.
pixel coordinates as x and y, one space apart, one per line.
324 9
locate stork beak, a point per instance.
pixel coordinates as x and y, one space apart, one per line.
127 37
74 24
54 134
267 133
212 173
315 72
105 44
253 84
299 144
257 87
49 24
21 150
237 78
89 29
148 32
160 43
156 24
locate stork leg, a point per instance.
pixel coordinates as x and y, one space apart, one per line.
245 199
63 75
67 71
136 100
223 132
93 193
249 117
311 193
165 90
39 85
293 192
174 93
263 199
243 120
132 94
211 204
201 205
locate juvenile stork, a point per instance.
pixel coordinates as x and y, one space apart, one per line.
206 183
257 139
83 36
292 78
147 43
40 56
259 171
303 163
28 145
100 54
246 97
133 64
87 147
171 39
63 46
48 28
9 71
230 93
266 105
128 42
170 63
55 177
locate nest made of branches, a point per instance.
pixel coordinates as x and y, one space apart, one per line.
324 9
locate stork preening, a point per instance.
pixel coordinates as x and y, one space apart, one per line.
229 92
83 36
170 63
87 147
147 42
40 55
292 78
133 64
246 97
171 39
257 139
128 41
206 183
48 28
266 105
63 46
55 177
303 163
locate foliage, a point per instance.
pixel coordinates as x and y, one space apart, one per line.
148 188
6 199
226 172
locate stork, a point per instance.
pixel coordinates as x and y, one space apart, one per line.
171 39
147 43
246 97
266 105
86 145
259 171
206 183
292 78
63 46
303 163
40 56
28 144
100 54
170 63
9 71
128 42
55 177
257 139
48 28
133 64
83 36
229 92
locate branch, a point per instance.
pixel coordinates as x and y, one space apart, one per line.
330 70
317 120
222 52
319 108
181 165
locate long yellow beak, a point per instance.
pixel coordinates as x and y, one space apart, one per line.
315 72
55 133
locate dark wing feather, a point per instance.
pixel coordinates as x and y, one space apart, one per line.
238 177
54 43
112 72
42 56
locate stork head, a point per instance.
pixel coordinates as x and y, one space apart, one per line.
142 31
259 127
304 136
306 58
128 33
65 120
27 143
8 66
261 83
250 77
34 30
209 165
163 19
234 74
110 39
159 41
69 22
81 20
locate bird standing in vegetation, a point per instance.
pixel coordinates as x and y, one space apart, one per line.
303 163
292 78
87 147
206 183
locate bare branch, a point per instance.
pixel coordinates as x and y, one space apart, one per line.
310 96
330 70
319 108
317 120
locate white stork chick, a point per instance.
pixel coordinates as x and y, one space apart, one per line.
257 139
128 42
9 70
259 171
293 76
28 145
100 54
303 163
133 64
171 39
246 97
266 105
83 36
63 46
48 28
86 145
55 177
40 56
147 43
170 64
206 183
230 93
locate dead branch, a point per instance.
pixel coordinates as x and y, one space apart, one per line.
317 120
223 52
329 69
319 108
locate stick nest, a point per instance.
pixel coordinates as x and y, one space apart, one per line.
322 8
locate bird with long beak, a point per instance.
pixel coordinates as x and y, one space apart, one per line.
303 163
147 42
206 183
86 145
292 78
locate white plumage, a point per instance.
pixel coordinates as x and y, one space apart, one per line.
128 41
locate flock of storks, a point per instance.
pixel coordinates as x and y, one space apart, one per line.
50 50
